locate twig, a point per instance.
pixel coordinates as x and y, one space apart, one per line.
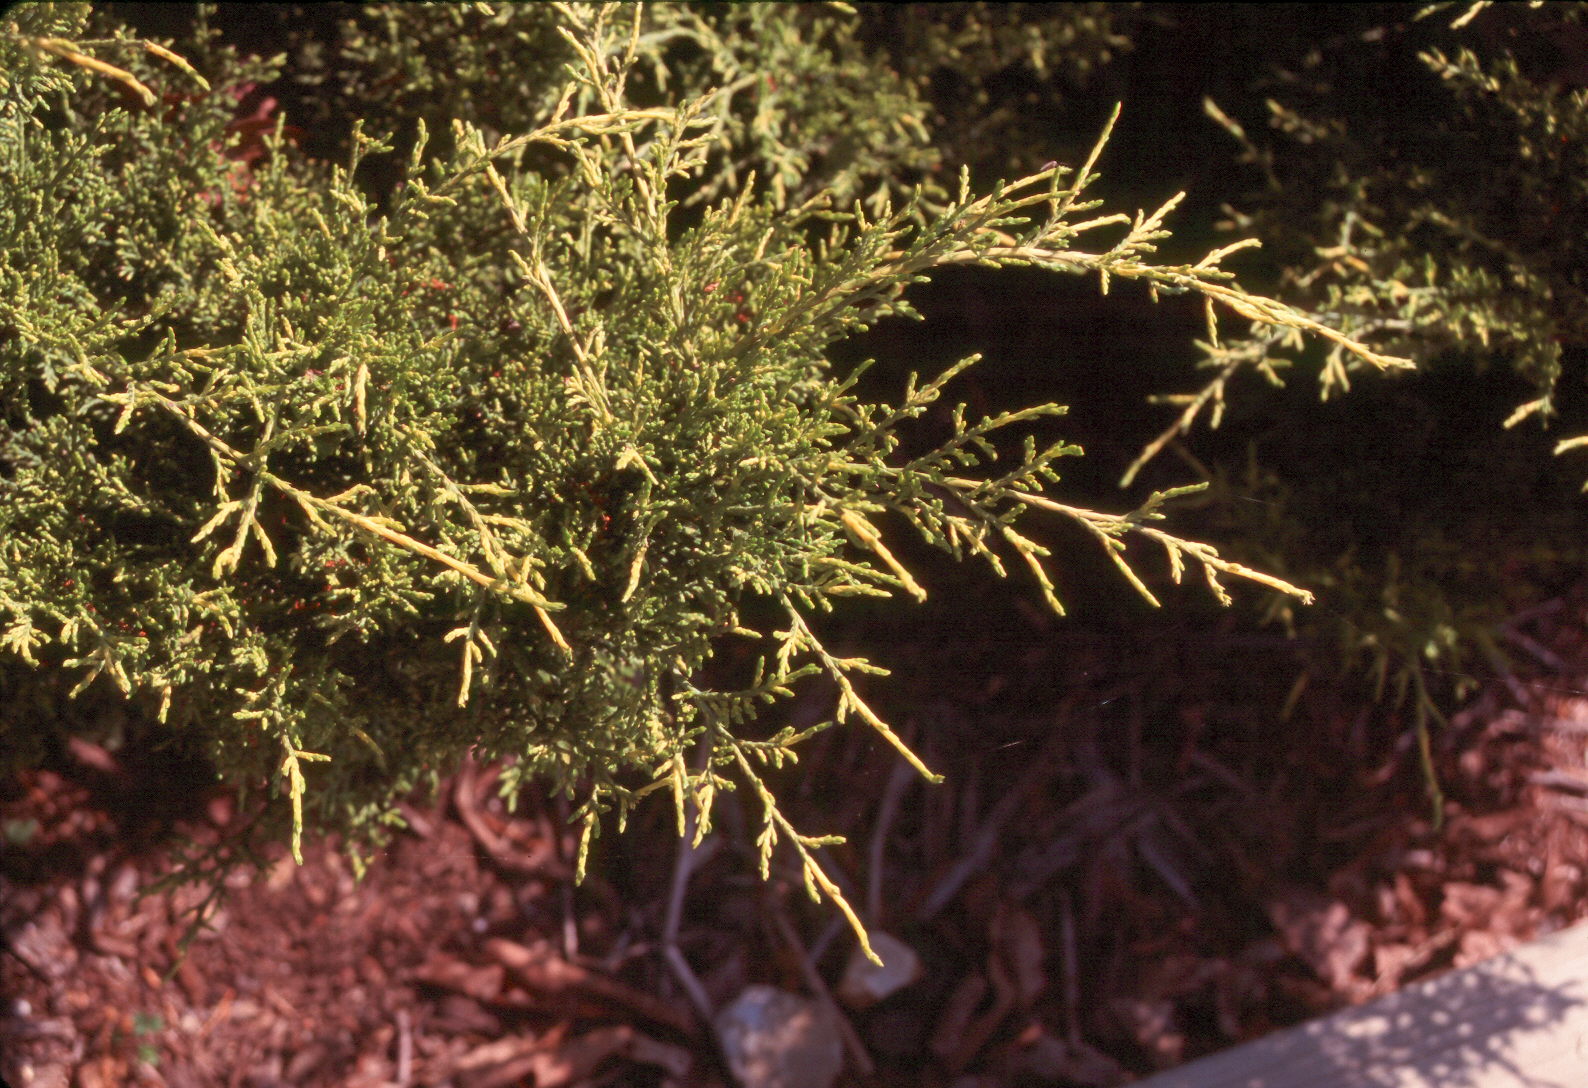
468 786
898 781
1069 966
826 937
858 1056
542 972
1157 858
980 1030
986 840
417 822
570 925
1559 780
32 968
405 1049
1549 658
688 858
685 976
67 51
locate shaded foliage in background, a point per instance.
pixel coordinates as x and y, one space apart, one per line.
1423 507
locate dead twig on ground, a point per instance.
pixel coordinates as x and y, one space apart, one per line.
535 859
689 858
898 781
1069 970
404 1073
985 842
859 1057
543 973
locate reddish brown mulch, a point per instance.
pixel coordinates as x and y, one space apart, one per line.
1135 860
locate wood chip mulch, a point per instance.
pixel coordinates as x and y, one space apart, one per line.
1135 860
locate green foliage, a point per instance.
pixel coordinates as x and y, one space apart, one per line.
1453 225
343 481
997 76
785 92
1448 226
1449 230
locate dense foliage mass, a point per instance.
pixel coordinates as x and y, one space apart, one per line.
344 450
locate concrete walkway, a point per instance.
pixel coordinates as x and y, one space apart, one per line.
1519 1020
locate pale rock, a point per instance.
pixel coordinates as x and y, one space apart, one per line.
775 1039
865 983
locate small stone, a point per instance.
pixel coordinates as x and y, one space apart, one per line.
865 983
775 1039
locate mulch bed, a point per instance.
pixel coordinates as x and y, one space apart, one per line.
1135 860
